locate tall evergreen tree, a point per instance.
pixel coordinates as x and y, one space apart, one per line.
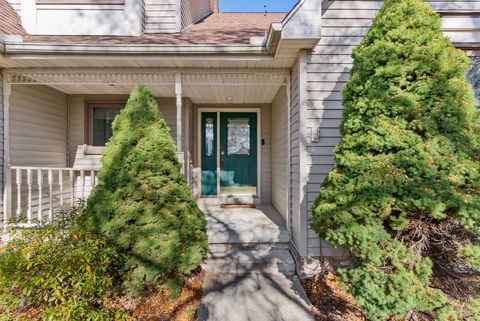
404 193
142 203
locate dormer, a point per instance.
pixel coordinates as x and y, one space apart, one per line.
110 17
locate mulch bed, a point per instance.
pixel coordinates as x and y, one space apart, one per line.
161 306
329 301
154 306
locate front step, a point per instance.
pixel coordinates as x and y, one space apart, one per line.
224 260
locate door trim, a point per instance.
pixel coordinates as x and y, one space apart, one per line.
258 111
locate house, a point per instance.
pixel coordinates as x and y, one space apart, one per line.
253 100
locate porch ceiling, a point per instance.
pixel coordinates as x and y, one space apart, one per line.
202 87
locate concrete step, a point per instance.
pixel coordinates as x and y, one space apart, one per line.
242 261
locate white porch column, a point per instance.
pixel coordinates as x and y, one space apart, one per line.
178 96
7 174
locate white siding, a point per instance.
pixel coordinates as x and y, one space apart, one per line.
162 16
279 153
194 10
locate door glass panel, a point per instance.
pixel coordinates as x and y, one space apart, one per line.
209 137
102 124
238 136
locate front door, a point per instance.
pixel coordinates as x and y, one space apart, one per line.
234 152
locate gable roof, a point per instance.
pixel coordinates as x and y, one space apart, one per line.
10 22
218 28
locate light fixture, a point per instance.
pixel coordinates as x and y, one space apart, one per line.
229 98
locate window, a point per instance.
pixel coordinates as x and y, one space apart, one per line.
238 136
473 75
102 118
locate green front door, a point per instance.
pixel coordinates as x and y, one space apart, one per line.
238 153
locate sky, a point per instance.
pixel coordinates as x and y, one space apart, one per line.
256 5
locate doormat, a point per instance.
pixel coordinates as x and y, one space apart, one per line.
237 206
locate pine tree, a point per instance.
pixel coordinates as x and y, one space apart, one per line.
142 203
403 195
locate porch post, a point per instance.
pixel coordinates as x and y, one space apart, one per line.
7 174
178 95
289 160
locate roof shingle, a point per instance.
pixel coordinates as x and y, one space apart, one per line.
10 23
218 28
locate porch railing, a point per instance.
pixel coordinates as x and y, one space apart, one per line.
38 193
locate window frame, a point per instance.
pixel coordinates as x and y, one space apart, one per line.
89 106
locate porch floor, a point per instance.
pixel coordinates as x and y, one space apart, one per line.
262 224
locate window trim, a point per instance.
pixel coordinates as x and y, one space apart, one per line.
88 134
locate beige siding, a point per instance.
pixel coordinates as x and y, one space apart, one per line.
344 24
279 153
1 144
162 16
38 137
38 127
194 10
297 234
265 155
78 124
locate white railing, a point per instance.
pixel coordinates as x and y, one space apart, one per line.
37 193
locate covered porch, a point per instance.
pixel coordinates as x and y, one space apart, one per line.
231 127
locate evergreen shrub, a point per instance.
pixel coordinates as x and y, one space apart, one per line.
142 203
403 195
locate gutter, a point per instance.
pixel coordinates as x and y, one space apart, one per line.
130 49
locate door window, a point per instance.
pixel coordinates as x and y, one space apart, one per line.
238 137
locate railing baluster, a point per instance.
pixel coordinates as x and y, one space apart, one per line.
72 185
50 195
82 182
29 200
60 184
40 182
92 176
18 179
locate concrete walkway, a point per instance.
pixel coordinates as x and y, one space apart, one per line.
250 273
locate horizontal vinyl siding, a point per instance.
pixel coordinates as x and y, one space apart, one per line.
279 153
1 143
295 156
161 16
193 10
38 126
344 24
78 125
38 137
265 155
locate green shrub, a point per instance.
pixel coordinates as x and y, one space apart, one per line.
58 268
407 168
142 203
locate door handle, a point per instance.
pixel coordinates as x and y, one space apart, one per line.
222 159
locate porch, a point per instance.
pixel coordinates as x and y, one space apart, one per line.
57 121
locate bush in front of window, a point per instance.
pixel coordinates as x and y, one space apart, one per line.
404 193
142 203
